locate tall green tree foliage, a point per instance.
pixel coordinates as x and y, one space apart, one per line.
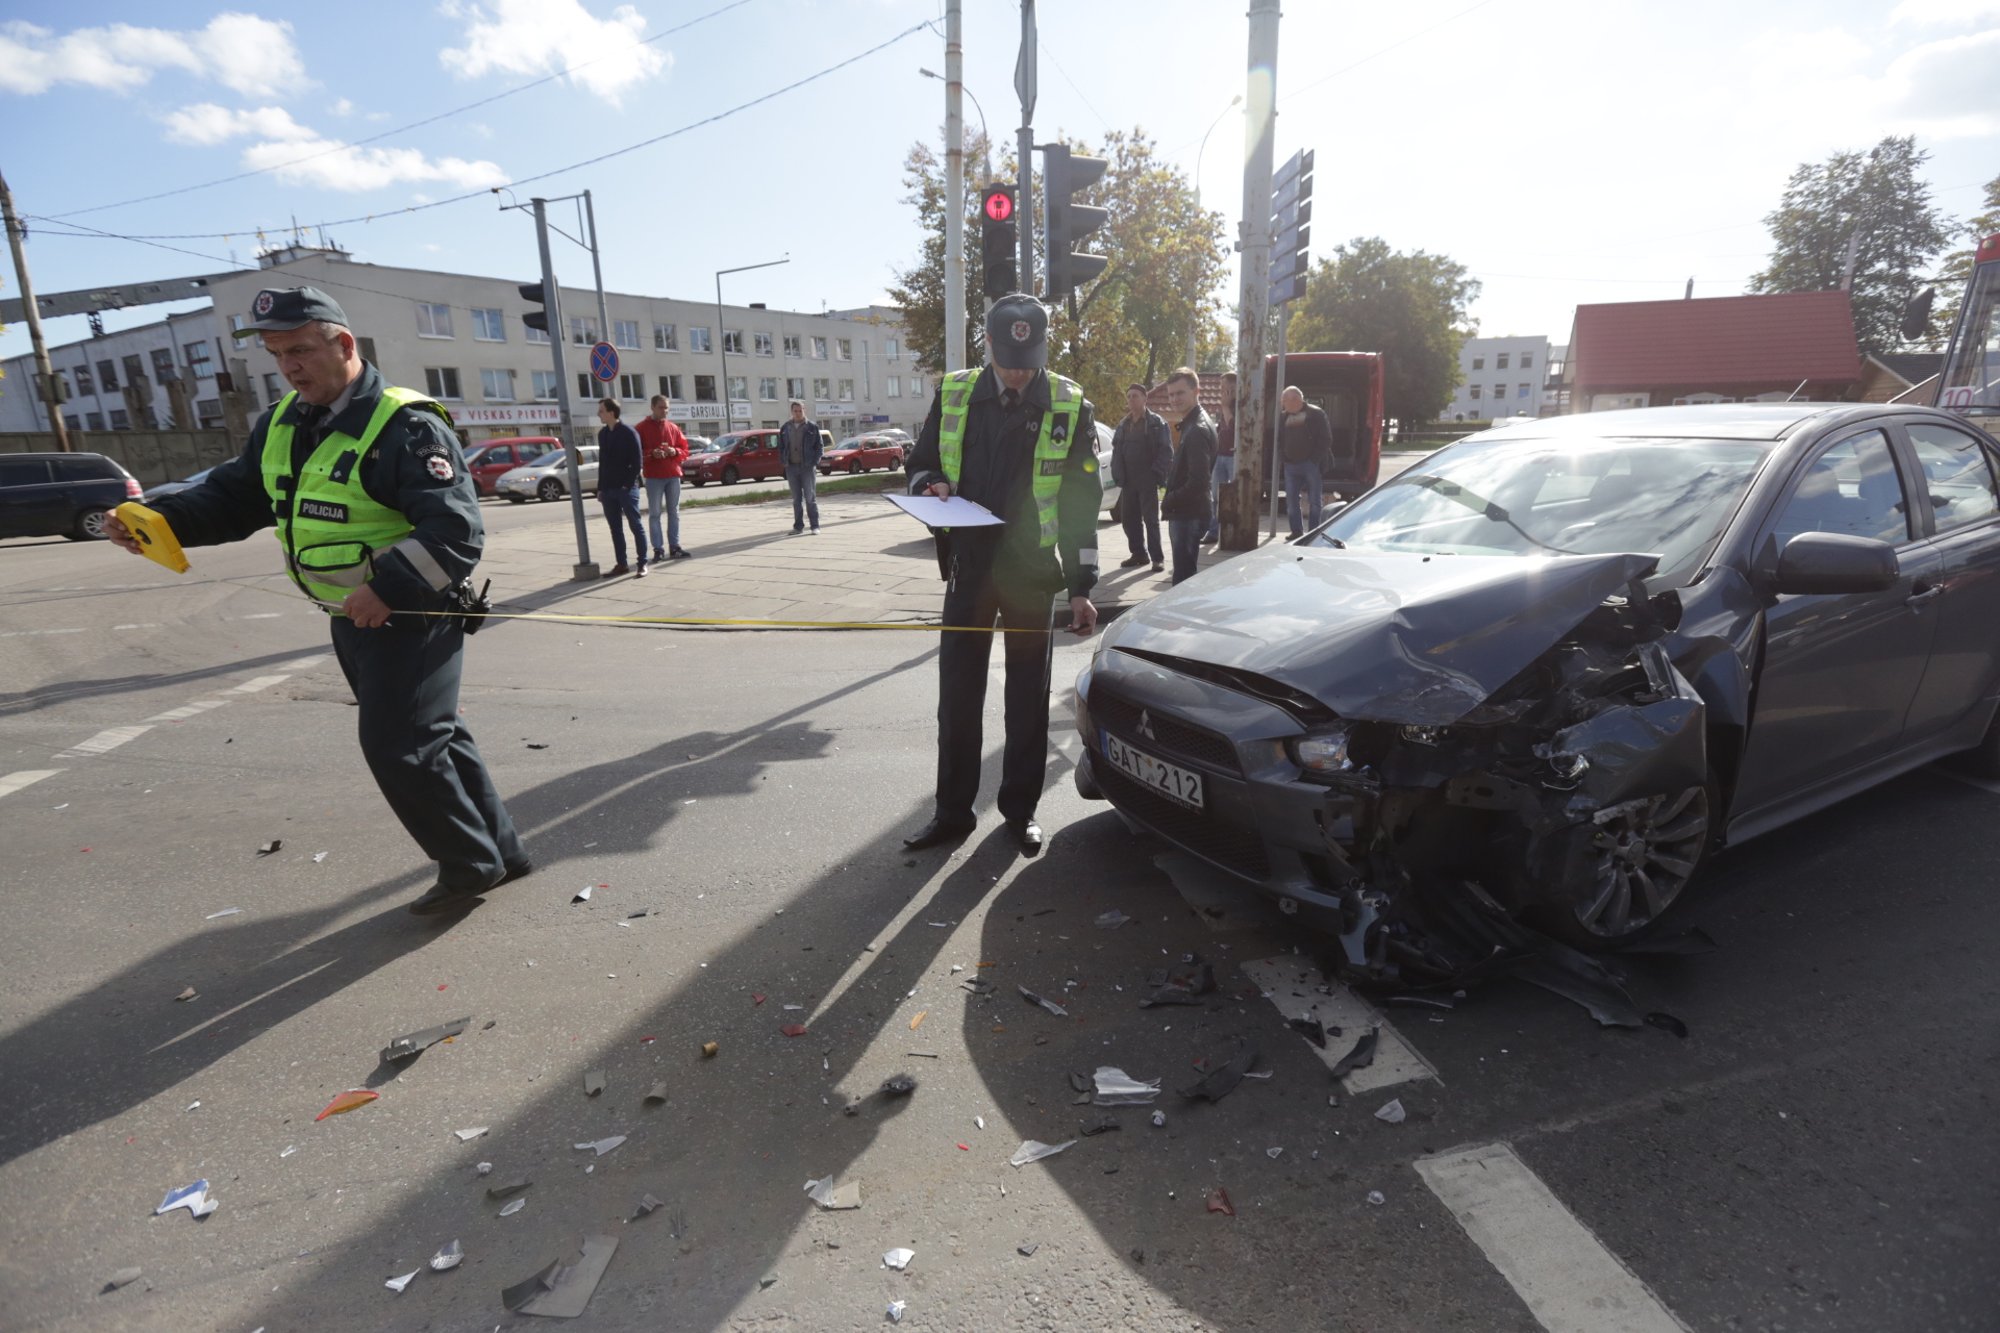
1876 200
1413 308
919 289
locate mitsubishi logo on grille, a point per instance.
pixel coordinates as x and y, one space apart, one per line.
1146 725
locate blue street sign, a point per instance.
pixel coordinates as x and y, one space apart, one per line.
604 362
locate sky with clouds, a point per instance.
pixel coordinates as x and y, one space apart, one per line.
1565 151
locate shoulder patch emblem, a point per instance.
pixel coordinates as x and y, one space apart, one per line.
439 468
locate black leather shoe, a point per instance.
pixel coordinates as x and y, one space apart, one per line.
440 898
1134 562
936 833
1027 835
519 870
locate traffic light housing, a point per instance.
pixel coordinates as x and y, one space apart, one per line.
1064 174
999 235
535 319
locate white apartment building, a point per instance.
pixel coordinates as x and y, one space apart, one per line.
1499 377
460 338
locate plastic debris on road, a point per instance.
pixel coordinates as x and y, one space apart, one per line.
896 1309
898 1085
593 1082
1274 1153
484 1169
1159 1119
834 1198
601 1146
1223 1069
1113 919
898 1259
918 1021
402 1048
658 1094
708 1050
793 1030
227 911
194 1105
468 1135
1392 1111
1049 1005
122 1278
319 857
1218 1201
509 1188
347 1101
1026 1249
561 1290
289 1150
1375 1198
583 894
979 1121
513 1207
396 1284
1032 1150
1311 1029
1182 983
1104 1124
1360 1057
648 1205
186 995
193 1197
272 846
1112 1086
447 1258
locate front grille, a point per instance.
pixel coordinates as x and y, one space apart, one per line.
1200 831
1171 738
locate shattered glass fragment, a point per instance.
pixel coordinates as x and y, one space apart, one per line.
898 1258
1360 1057
895 1311
1113 919
1032 1150
1392 1111
468 1135
1225 1068
513 1207
601 1146
347 1101
1111 1086
448 1257
512 1187
1049 1005
834 1198
396 1284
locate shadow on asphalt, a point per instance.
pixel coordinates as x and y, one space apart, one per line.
68 691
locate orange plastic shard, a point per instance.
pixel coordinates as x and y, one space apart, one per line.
918 1021
347 1101
1218 1201
793 1030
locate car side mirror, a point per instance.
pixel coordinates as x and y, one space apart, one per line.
1917 314
1835 562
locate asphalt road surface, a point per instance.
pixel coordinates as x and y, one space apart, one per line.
1817 1154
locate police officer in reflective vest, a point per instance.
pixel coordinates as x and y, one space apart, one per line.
1022 443
378 519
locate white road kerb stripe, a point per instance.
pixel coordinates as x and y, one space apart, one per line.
257 683
1569 1281
186 711
1395 1062
104 741
27 777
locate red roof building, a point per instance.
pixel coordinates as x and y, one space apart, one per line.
1716 349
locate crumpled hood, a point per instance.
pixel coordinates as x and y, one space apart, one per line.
1412 639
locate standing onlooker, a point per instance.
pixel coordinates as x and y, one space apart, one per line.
1224 470
618 470
665 449
1141 453
799 442
1306 438
1187 503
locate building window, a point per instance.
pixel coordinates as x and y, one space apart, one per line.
665 339
1520 391
1479 363
762 343
119 420
767 388
488 325
163 364
85 384
587 389
632 387
95 420
107 375
273 390
704 387
795 388
539 337
822 390
441 382
739 388
496 386
844 348
1472 392
890 349
847 391
698 339
583 330
916 386
545 386
433 321
199 365
670 385
895 389
625 333
819 349
207 412
1499 392
792 345
73 421
1500 361
732 341
1527 359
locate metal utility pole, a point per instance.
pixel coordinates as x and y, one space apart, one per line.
45 373
722 335
585 568
954 189
597 271
1239 514
1024 84
1194 310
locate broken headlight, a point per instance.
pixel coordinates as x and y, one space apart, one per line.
1320 752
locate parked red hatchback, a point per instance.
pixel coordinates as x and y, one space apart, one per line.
862 453
492 460
744 455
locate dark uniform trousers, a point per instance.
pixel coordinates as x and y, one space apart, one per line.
962 670
405 678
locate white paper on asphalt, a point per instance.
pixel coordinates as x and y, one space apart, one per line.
951 512
1395 1062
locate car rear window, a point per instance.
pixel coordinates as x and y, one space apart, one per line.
86 467
23 471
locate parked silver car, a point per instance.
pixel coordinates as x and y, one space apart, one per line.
547 478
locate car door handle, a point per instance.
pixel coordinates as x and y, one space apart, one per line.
1924 592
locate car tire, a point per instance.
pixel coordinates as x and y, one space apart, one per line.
549 489
517 499
697 482
1983 759
1673 836
89 526
729 475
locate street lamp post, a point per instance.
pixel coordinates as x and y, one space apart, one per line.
722 336
1234 102
985 139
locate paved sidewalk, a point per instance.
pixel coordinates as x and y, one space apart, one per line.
869 563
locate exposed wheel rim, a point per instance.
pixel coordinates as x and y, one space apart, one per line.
92 524
1645 856
729 477
550 490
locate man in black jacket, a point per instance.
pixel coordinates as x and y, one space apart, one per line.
1022 443
1141 453
347 453
1187 503
620 462
1306 437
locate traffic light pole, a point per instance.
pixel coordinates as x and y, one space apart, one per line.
585 569
1024 198
954 189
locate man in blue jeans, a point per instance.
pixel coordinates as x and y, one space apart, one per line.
618 467
1305 436
799 446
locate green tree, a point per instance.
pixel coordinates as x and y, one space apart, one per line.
1876 202
919 289
1412 308
1956 269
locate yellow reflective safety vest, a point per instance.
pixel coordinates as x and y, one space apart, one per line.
1052 446
329 527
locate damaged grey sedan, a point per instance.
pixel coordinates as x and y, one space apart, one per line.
1541 676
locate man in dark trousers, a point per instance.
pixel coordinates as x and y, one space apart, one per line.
620 464
1305 438
1141 453
799 446
1022 443
380 527
1187 505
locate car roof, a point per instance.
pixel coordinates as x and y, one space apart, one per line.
52 457
1725 421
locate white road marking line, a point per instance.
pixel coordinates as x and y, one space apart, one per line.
103 742
1395 1062
27 777
305 663
261 615
32 633
255 684
186 711
1984 784
145 624
1569 1281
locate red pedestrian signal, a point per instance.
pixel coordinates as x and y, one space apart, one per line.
997 238
999 204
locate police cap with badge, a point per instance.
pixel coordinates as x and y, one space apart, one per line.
282 309
1017 333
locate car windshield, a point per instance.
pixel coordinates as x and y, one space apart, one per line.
552 459
1544 497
